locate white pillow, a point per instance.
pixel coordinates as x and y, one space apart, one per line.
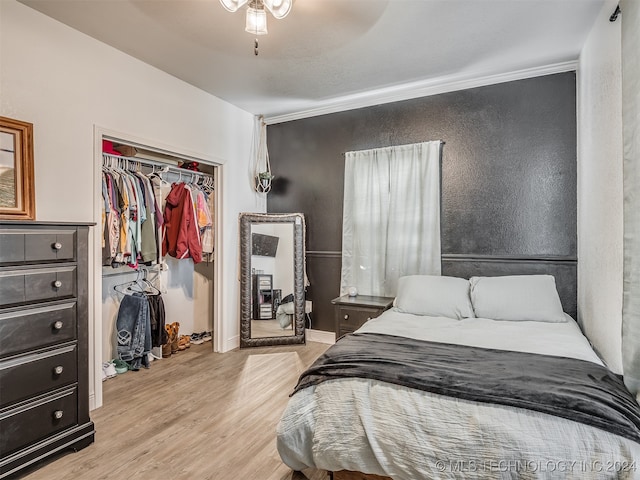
434 295
517 297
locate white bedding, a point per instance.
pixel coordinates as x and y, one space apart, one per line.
559 339
373 427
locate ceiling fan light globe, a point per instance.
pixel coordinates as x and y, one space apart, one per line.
256 21
279 8
233 5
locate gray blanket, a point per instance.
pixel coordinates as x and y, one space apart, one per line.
569 388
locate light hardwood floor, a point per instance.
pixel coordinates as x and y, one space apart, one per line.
269 328
196 415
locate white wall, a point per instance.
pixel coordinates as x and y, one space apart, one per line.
67 83
600 188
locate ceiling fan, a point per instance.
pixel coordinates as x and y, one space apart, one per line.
256 16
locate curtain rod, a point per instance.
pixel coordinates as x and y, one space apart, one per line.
441 141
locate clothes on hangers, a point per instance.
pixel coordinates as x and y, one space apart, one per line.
133 327
135 222
203 216
130 218
140 324
188 223
208 239
112 203
160 189
148 237
157 318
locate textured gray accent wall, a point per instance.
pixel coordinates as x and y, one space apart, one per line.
508 171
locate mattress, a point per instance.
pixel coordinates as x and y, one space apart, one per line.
375 427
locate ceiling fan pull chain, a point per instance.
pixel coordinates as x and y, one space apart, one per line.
255 47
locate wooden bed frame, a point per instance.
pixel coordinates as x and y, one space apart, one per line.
347 475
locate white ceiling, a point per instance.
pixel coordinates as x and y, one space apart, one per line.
329 51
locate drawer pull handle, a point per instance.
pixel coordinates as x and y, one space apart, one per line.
58 325
58 370
57 284
346 317
58 414
57 246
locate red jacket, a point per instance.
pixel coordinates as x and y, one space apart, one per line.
181 237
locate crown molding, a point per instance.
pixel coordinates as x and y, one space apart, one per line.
419 89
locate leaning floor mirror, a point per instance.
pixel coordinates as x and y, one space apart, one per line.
272 303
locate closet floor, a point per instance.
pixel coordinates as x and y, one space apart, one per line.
197 415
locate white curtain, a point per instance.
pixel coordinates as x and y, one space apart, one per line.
631 141
391 218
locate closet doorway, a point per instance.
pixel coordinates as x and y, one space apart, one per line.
188 285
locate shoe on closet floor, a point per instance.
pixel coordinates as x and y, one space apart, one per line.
120 366
108 370
175 339
206 336
196 338
166 348
155 354
184 342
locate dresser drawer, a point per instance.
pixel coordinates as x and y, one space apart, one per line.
352 318
32 285
38 419
17 246
24 376
27 329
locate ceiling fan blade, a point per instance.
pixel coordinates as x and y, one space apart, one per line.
233 5
278 8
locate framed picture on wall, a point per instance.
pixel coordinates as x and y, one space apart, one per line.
17 193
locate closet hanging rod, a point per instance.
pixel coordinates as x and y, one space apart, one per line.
168 167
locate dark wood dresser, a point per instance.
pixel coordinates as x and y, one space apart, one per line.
353 312
44 366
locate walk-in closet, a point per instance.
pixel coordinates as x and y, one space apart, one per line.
158 236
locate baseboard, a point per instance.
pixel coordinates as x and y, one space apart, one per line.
320 336
231 344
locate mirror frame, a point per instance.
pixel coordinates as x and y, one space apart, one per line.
25 205
246 220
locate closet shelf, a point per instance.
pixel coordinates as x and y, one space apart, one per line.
126 270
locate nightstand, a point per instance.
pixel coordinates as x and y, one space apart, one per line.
353 312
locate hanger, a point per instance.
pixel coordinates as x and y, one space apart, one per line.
159 174
205 182
108 162
139 285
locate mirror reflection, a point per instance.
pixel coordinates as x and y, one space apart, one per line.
7 170
272 279
272 307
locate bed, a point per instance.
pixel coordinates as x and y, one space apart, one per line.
479 378
285 312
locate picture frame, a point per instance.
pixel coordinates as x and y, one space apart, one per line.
17 190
